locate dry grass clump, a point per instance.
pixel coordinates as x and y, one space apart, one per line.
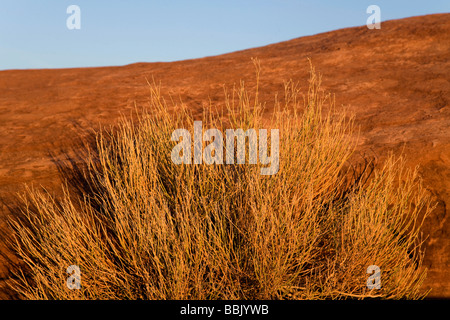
145 228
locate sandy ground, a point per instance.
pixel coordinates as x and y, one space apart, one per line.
395 80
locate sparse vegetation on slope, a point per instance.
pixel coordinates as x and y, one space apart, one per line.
145 228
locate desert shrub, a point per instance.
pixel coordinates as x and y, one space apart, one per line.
141 227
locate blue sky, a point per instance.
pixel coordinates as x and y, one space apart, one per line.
33 34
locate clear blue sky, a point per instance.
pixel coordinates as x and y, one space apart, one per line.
33 34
